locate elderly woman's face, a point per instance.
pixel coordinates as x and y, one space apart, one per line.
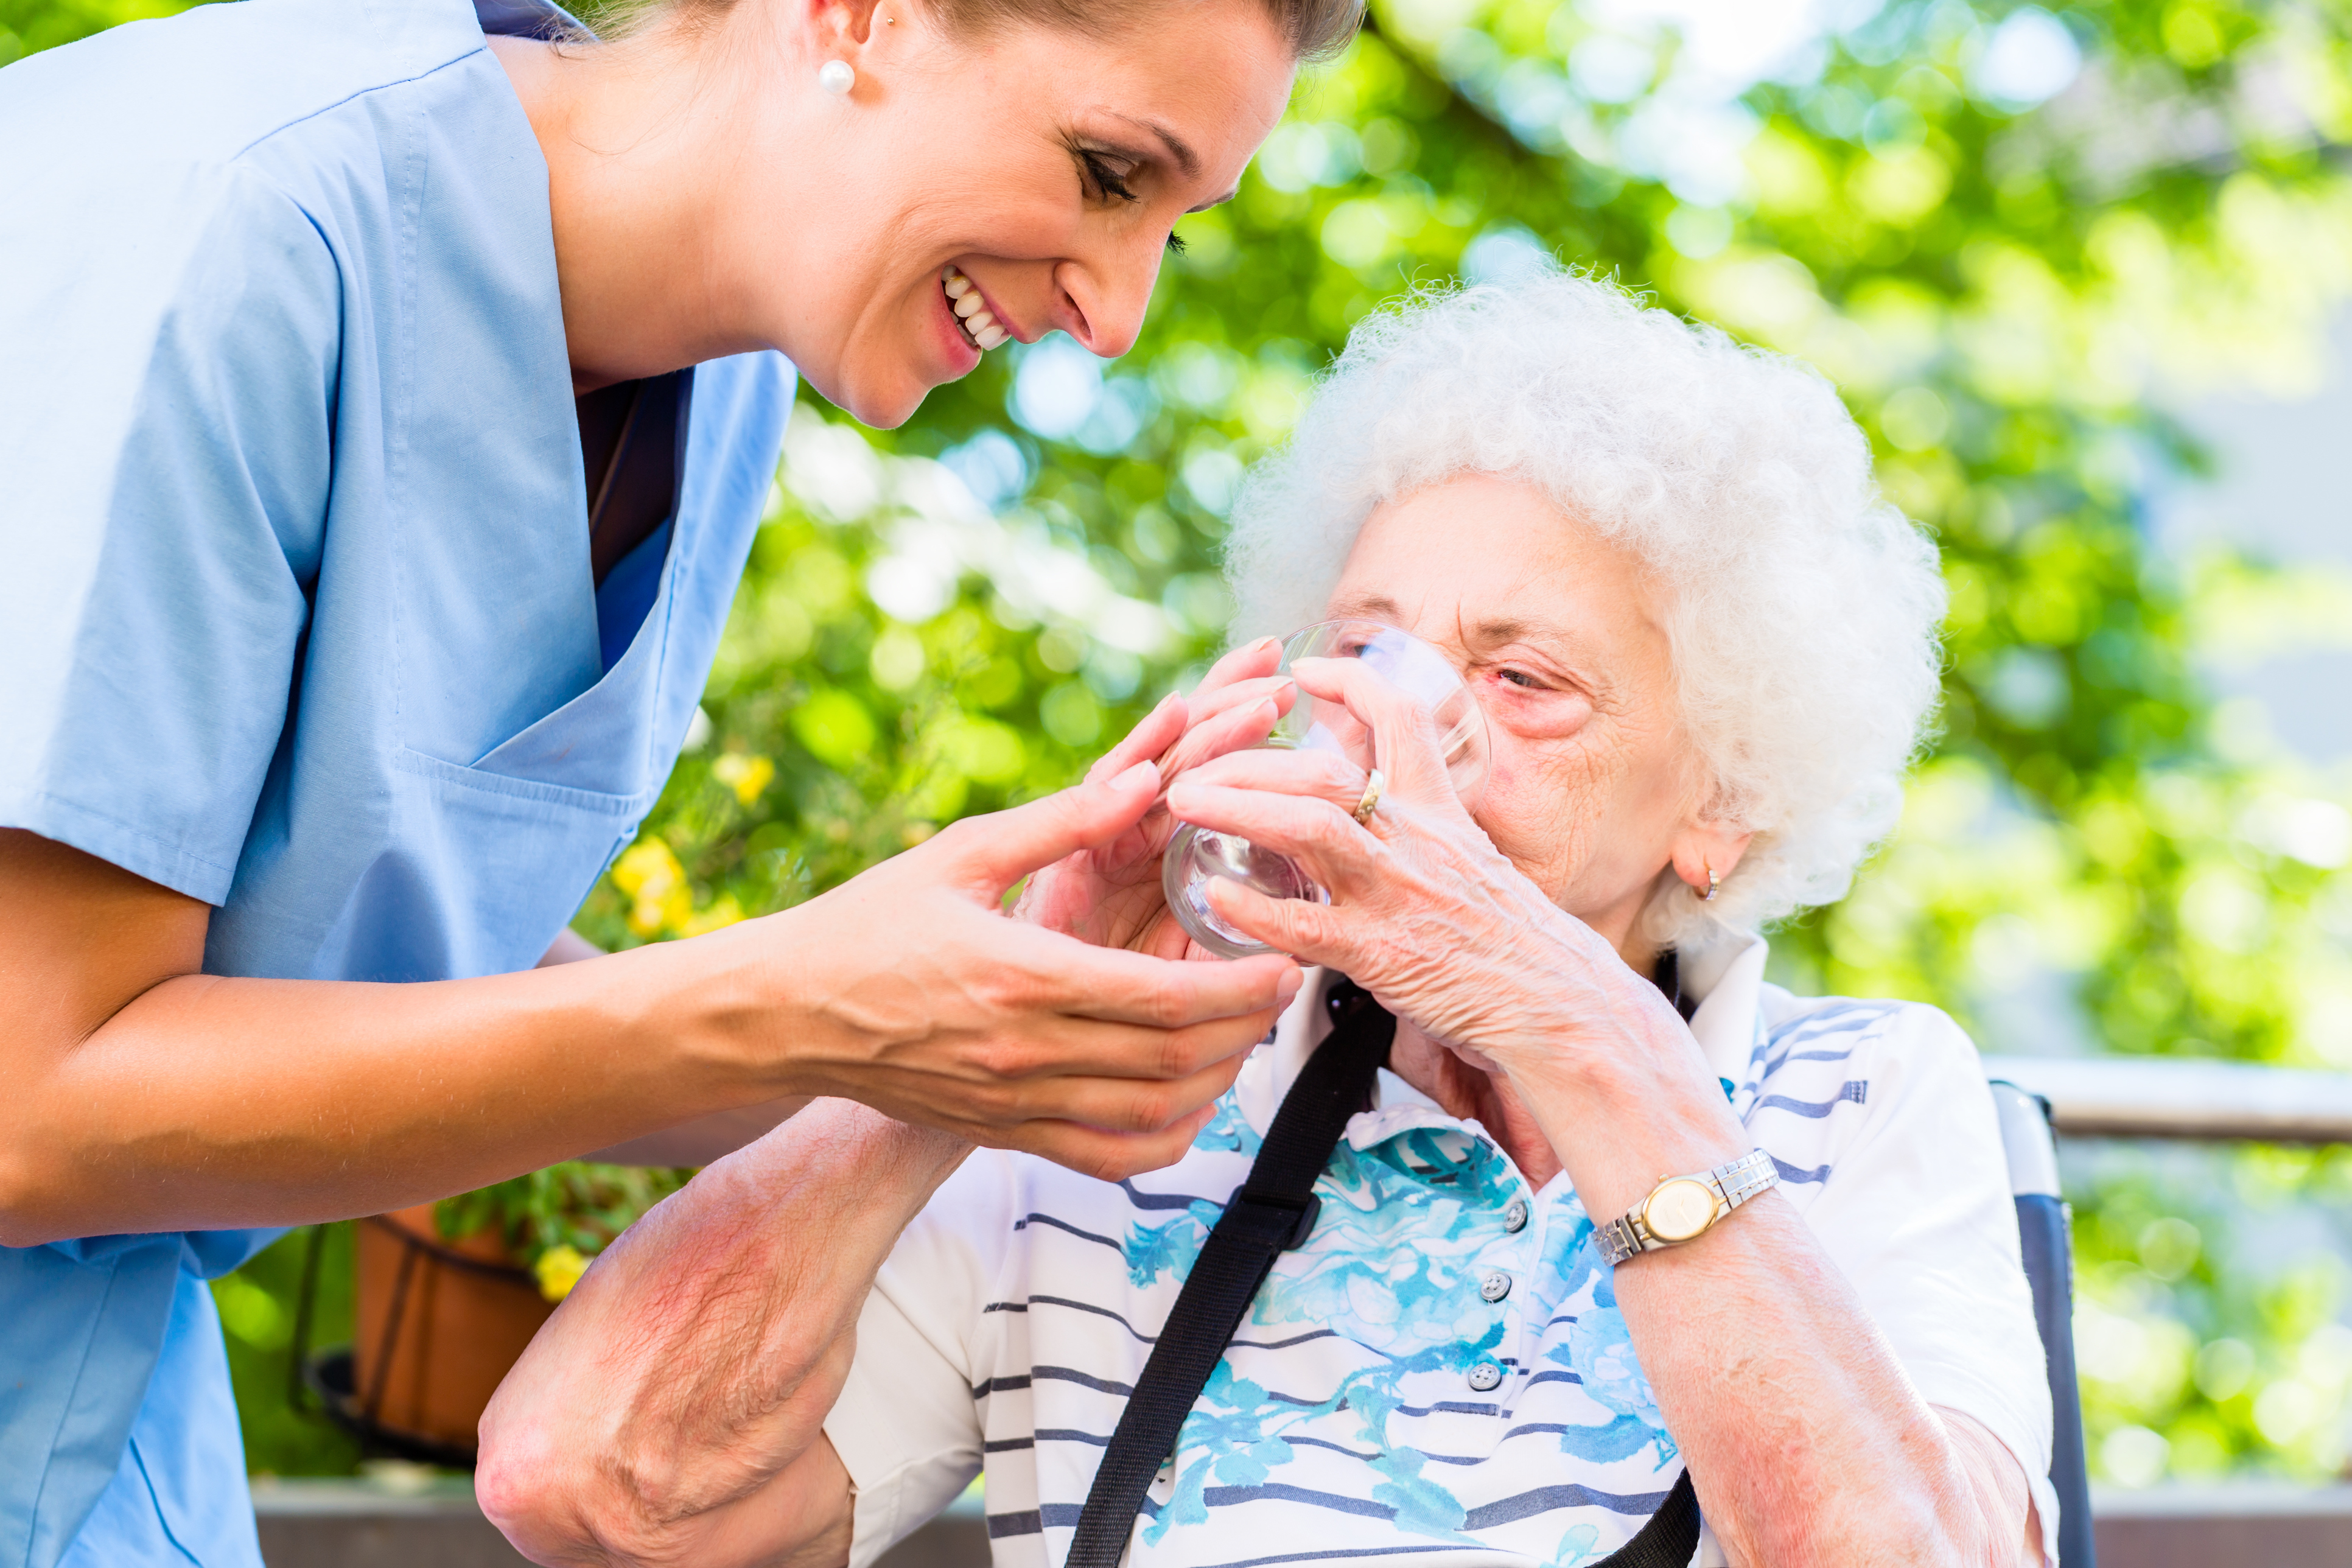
1593 784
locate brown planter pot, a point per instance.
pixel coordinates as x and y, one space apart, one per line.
436 1325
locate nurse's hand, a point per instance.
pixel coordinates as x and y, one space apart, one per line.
910 989
1111 894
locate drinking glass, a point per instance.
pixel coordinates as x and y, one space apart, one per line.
1196 855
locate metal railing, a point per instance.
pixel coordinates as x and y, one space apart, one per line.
2202 1100
2158 1096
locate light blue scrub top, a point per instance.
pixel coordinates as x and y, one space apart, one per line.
296 613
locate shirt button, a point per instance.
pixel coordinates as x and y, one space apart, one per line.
1514 1215
1496 1286
1485 1377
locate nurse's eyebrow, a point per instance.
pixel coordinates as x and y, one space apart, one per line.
1187 161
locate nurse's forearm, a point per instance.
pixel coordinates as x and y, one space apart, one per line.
143 1095
213 1103
696 1142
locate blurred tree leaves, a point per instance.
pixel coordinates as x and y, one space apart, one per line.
28 25
1997 227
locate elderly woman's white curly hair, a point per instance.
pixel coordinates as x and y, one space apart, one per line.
1803 609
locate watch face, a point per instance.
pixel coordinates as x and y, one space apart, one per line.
1679 1210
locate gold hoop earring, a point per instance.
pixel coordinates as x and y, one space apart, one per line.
1713 884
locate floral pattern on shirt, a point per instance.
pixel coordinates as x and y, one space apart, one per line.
1409 1231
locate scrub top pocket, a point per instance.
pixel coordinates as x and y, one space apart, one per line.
516 836
479 857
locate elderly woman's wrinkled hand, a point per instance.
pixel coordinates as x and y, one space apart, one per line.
1111 896
1426 911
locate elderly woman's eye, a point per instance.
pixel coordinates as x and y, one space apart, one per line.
1519 678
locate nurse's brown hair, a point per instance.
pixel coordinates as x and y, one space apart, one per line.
1317 29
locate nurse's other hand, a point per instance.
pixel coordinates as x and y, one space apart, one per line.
1109 894
909 988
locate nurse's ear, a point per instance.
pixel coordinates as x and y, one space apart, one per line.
861 33
853 49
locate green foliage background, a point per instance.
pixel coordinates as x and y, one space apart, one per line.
956 616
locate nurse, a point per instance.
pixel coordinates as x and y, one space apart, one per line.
391 392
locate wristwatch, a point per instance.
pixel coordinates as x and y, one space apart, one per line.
1681 1207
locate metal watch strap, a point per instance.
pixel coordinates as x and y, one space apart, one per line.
1753 1173
1733 1185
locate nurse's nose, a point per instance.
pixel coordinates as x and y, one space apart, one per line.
1100 302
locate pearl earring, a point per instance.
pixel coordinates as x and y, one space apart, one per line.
836 77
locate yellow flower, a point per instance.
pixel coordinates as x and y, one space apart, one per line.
657 886
558 1269
748 776
725 912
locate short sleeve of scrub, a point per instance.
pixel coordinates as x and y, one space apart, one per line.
166 434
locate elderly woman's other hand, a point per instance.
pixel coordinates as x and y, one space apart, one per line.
1426 911
1111 896
1439 924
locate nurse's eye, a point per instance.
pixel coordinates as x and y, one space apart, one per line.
1108 179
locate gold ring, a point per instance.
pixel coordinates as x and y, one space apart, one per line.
1371 801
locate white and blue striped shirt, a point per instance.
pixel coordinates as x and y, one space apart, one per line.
1439 1376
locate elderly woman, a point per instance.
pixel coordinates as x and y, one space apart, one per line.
1705 649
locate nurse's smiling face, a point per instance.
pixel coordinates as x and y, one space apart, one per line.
711 197
1030 179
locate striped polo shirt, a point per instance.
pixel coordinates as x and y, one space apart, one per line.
1439 1375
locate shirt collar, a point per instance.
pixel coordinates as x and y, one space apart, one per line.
526 19
1728 983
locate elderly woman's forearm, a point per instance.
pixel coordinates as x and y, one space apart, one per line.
1805 1438
673 1408
1807 1442
1606 1051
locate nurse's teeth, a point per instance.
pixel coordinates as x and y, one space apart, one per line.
963 296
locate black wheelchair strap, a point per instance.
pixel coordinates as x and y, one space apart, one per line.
1273 1212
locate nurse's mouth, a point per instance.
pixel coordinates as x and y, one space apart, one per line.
980 328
